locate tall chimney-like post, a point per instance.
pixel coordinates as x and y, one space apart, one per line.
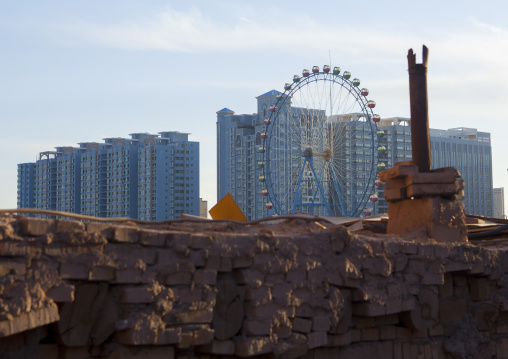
420 136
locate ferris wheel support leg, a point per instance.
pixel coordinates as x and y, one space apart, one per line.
339 194
297 195
320 188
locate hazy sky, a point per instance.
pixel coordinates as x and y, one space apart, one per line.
80 71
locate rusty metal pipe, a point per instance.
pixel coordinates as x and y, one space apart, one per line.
420 136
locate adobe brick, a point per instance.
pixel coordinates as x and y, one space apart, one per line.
457 266
356 335
485 315
391 319
479 268
31 320
460 291
370 334
305 310
253 327
275 279
387 332
198 257
12 267
242 262
441 250
73 271
268 310
200 241
126 234
258 295
15 249
136 337
408 247
365 322
202 336
141 294
452 310
317 339
297 275
150 237
251 277
395 183
219 347
128 275
403 333
251 346
69 226
182 278
130 252
302 325
36 226
190 294
423 333
397 350
480 289
436 331
502 348
339 340
203 316
226 264
369 309
321 323
446 290
203 276
105 229
166 256
174 239
400 262
62 293
185 340
394 305
433 279
102 273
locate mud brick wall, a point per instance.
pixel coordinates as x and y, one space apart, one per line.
292 289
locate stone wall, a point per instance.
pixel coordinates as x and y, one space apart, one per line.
292 288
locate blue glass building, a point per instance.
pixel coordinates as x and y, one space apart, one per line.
147 176
26 185
238 153
466 149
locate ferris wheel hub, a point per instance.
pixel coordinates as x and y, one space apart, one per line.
326 154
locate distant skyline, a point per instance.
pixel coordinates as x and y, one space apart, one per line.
82 71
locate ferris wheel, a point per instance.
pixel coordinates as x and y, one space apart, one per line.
319 149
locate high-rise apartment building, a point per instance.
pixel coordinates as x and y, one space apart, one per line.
147 176
26 183
467 149
498 201
203 208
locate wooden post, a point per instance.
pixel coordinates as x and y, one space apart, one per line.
420 136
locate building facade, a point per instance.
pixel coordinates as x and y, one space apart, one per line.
203 208
466 149
26 185
498 201
147 177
